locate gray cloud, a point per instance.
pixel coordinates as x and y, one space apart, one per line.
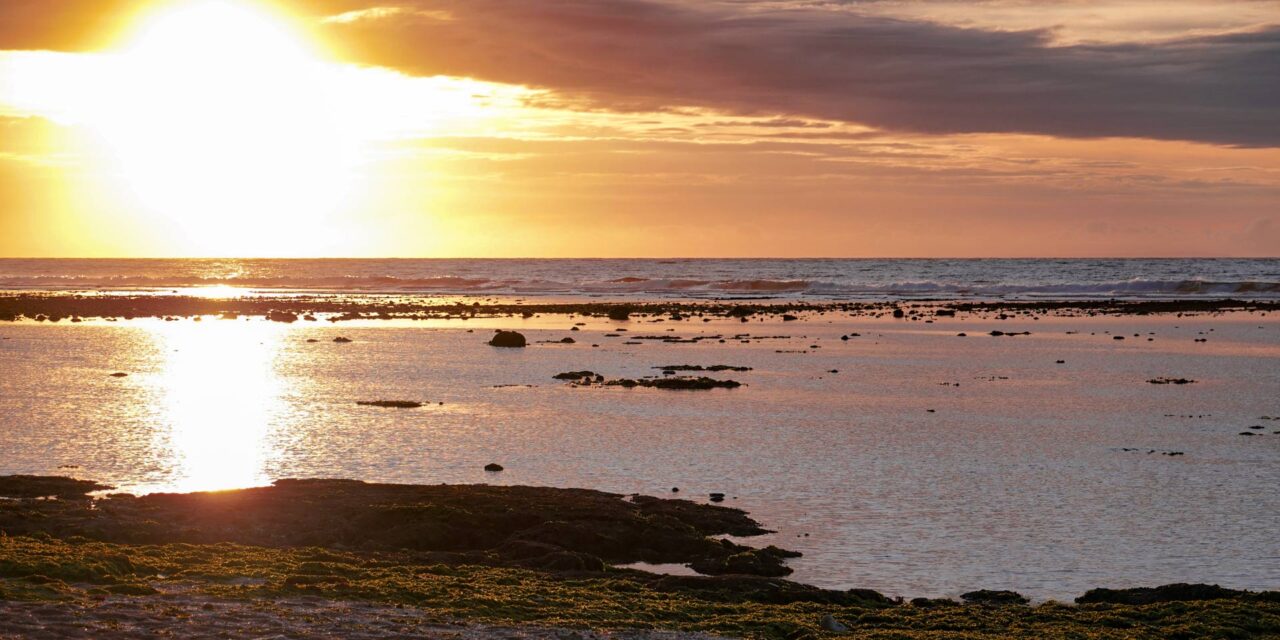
896 74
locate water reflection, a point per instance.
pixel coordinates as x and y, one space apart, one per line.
220 402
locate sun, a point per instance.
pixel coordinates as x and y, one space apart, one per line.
220 121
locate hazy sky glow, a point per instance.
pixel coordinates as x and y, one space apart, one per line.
639 128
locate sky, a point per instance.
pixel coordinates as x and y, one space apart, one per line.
613 128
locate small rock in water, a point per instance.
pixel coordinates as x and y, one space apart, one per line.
390 404
507 339
342 340
119 374
717 497
1165 380
493 467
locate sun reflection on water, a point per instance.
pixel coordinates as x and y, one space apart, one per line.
220 403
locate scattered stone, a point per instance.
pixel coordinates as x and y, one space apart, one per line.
119 374
717 497
390 404
493 467
509 339
567 341
1165 380
342 340
829 623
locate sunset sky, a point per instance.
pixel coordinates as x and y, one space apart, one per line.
639 128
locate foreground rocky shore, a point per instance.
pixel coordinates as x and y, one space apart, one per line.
341 558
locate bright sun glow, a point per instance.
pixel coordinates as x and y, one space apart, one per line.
221 121
227 130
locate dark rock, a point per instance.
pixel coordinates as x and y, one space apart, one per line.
1164 380
698 367
45 486
1180 592
575 375
493 466
619 313
786 317
511 339
677 383
987 596
119 374
933 603
390 404
717 497
746 561
342 340
899 313
567 341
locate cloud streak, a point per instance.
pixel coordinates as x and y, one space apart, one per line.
904 75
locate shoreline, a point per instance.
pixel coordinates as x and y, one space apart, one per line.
505 556
55 307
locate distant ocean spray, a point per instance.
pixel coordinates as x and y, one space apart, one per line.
850 279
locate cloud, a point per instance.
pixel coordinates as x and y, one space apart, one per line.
906 75
809 60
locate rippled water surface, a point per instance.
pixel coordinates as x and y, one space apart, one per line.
682 278
930 464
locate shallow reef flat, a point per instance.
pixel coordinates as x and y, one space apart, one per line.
342 307
312 559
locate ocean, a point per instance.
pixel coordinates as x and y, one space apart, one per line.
847 279
927 455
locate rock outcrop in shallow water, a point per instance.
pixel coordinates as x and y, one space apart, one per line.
390 404
477 524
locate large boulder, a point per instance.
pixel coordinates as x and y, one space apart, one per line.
507 339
